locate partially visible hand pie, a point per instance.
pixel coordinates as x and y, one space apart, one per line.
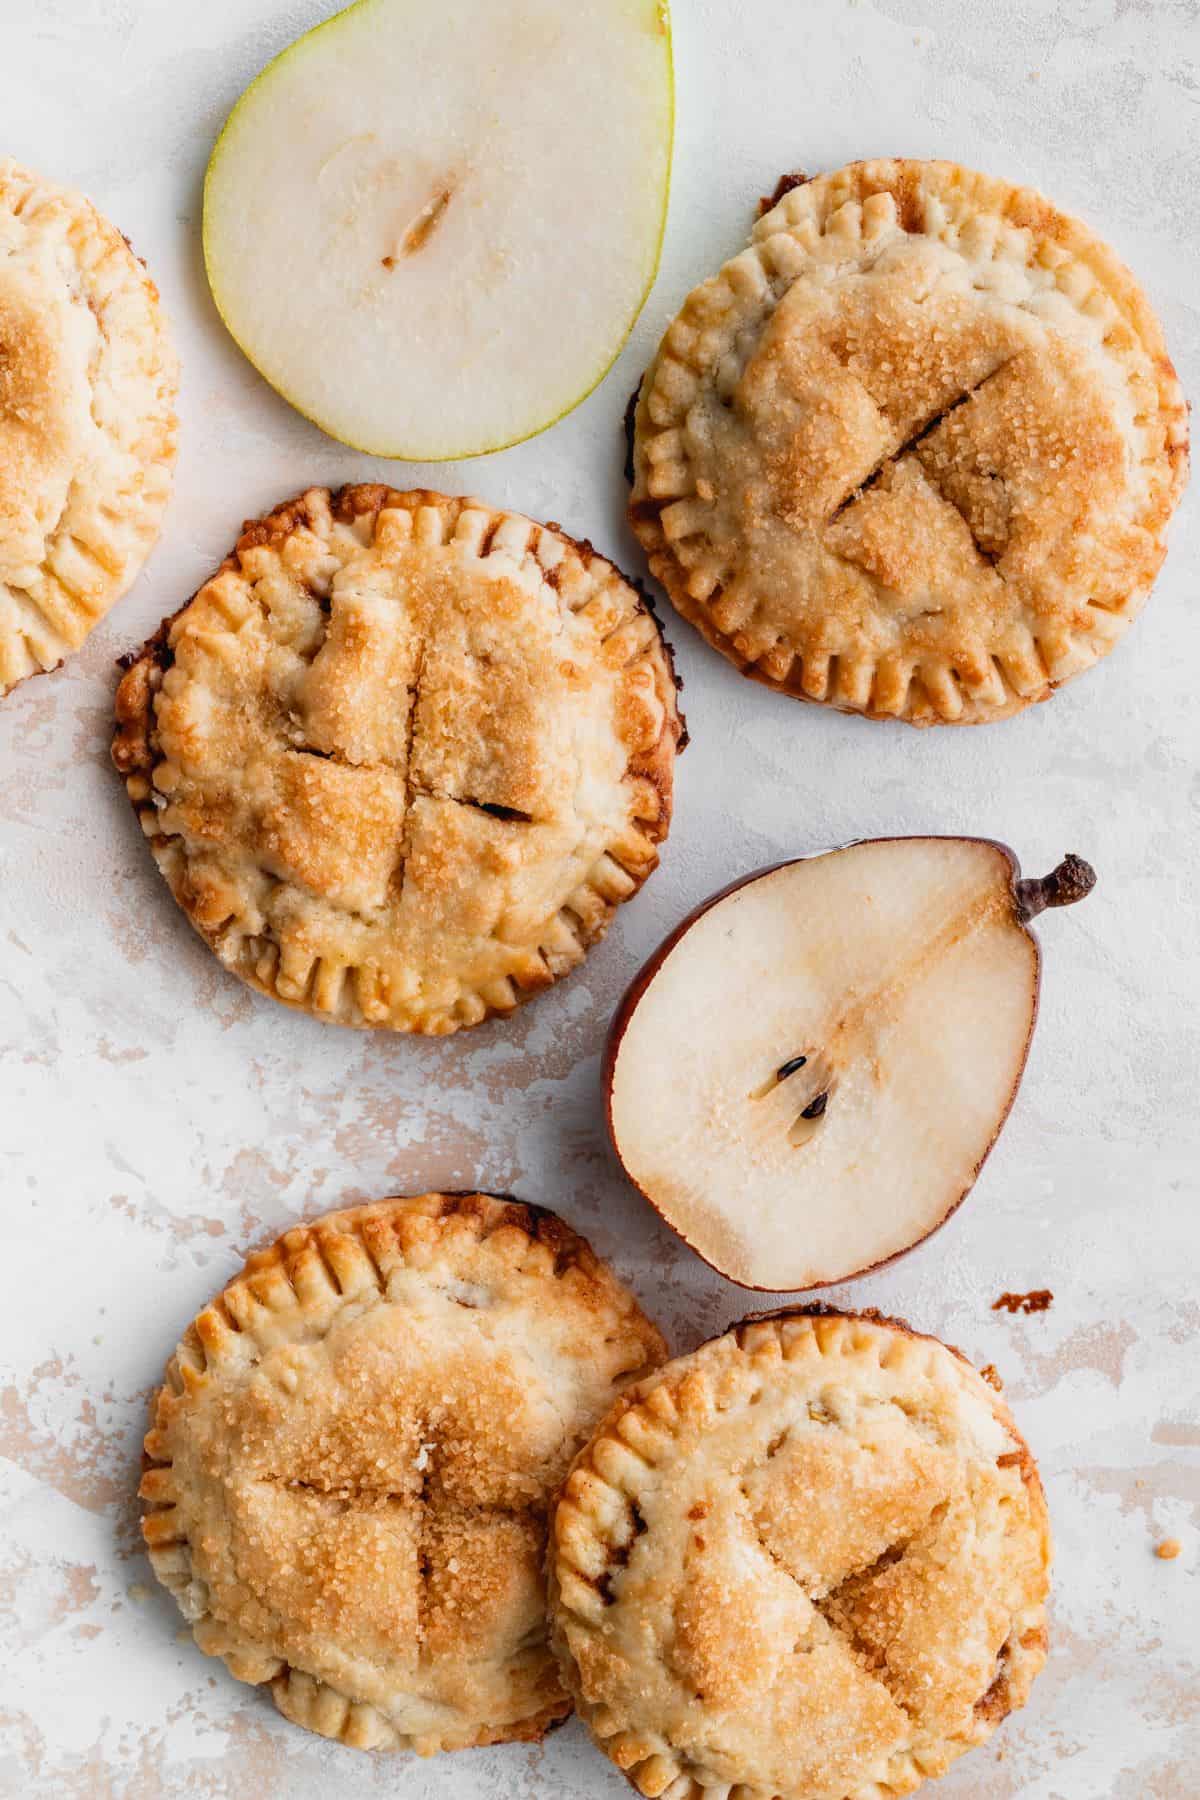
87 420
403 756
807 1561
349 1467
914 451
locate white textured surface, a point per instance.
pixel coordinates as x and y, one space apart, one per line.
156 1118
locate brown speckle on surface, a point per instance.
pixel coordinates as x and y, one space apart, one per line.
1036 1301
1168 1550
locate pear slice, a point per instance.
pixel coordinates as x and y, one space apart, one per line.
431 228
807 1075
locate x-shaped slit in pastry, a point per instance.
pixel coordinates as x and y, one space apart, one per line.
425 1512
985 551
914 438
512 815
837 1609
835 1606
410 746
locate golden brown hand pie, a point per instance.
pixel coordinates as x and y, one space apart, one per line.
403 756
349 1467
913 452
87 420
809 1561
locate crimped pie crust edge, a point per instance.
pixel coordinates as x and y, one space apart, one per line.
572 567
114 507
706 326
314 1271
596 1521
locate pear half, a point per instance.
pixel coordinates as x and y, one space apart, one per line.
806 1076
431 228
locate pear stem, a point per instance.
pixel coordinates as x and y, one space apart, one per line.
1071 881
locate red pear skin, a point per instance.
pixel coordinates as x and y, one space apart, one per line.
1072 880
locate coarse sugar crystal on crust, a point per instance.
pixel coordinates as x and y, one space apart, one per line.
913 452
87 420
806 1562
402 757
350 1463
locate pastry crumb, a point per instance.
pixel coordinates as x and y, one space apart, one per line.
1036 1301
991 1375
1168 1550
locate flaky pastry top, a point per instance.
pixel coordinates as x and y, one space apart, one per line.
808 1560
913 452
350 1463
403 756
87 420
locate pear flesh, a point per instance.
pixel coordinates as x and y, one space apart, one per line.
807 1076
431 228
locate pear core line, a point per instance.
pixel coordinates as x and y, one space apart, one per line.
1072 880
422 227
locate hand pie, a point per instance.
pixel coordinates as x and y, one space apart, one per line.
350 1464
913 452
402 757
807 1561
87 420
